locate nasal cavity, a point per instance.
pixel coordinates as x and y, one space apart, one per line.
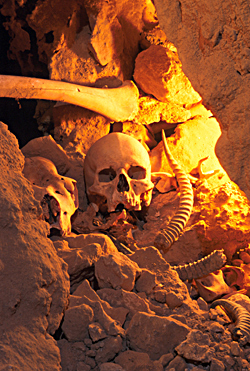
122 185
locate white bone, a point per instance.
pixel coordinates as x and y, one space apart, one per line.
212 286
57 194
114 159
118 104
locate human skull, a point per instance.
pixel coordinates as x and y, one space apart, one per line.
117 171
57 194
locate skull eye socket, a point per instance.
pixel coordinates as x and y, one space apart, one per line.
137 172
106 175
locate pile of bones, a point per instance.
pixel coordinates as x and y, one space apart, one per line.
119 185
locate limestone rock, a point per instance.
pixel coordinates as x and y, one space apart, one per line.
76 322
79 241
178 363
110 326
138 131
50 22
34 300
40 351
196 347
213 46
146 282
107 39
72 354
191 142
110 366
81 252
48 148
116 271
112 346
153 116
155 36
79 261
160 295
125 299
173 299
223 230
132 361
77 128
166 358
155 335
151 110
216 365
151 259
118 314
158 72
112 38
96 332
61 33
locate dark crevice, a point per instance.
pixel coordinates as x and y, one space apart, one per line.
18 114
49 37
26 9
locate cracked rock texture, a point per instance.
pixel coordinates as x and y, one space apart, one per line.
34 281
102 310
212 39
125 313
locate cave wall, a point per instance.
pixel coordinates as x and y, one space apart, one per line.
34 282
213 43
212 39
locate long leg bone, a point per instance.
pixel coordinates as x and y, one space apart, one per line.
118 104
166 237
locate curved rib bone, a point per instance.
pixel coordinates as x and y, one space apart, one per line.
167 236
240 316
202 267
118 104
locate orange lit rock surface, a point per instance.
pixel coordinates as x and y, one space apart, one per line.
191 142
220 217
158 72
151 110
212 40
144 334
116 271
226 211
107 40
51 22
77 128
117 318
105 50
220 220
130 359
34 280
152 116
104 323
48 148
78 55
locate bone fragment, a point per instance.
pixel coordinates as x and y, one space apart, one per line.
241 316
118 104
202 267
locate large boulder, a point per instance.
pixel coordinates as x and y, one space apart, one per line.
213 40
34 282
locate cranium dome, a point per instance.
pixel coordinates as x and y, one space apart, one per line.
117 170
